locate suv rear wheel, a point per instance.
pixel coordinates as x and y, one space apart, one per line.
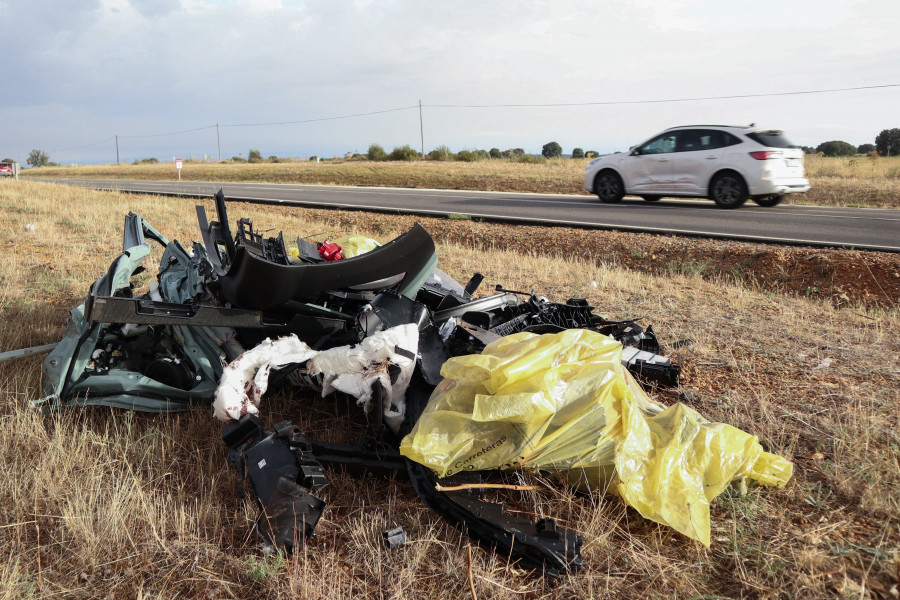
728 190
772 200
609 187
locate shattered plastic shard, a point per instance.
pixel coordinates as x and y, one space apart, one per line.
394 538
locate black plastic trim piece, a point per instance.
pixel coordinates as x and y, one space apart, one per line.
254 282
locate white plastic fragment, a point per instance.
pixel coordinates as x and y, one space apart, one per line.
446 330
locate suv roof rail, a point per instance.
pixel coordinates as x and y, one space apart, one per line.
710 125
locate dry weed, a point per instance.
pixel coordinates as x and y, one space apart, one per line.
109 504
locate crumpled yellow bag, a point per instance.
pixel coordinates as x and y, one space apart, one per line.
354 245
564 403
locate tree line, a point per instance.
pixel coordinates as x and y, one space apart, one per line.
887 143
443 153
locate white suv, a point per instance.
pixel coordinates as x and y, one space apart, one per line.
726 164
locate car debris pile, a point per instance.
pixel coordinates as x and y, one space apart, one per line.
453 387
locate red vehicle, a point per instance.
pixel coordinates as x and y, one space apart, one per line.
6 169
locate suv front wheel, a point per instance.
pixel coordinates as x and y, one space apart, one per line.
728 190
609 187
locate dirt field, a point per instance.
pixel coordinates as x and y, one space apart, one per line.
795 346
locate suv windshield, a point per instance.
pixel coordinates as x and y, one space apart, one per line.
771 139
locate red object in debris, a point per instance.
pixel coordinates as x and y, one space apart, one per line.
329 251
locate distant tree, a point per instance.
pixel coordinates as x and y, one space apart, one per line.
238 159
494 153
591 154
865 148
8 160
466 156
551 150
529 159
254 156
888 142
513 153
577 153
440 153
836 148
376 152
808 149
404 153
38 158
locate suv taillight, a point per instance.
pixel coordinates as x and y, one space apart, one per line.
765 154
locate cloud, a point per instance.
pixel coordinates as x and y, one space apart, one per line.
261 6
155 9
145 66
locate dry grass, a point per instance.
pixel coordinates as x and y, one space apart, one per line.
109 504
857 181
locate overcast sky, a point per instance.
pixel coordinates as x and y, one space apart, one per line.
76 73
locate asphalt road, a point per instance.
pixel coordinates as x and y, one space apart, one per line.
862 228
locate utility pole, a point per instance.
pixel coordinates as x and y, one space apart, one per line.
117 148
421 129
219 141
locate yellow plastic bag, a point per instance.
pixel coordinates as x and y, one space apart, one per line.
564 403
354 245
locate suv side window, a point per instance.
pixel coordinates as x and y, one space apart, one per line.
661 144
690 140
727 139
705 139
710 139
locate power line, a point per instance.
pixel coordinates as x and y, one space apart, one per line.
660 101
507 105
87 145
152 135
366 114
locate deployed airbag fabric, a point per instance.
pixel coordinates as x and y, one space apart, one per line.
349 369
